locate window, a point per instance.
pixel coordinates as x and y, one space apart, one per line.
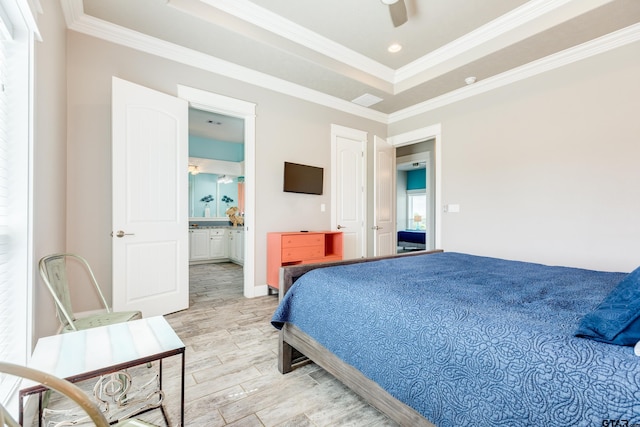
416 210
16 41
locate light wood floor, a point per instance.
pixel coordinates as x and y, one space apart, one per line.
231 366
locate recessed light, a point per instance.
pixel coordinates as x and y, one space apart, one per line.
395 47
470 80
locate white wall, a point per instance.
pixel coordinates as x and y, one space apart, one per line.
50 129
546 169
287 129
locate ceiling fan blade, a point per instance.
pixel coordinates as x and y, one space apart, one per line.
398 11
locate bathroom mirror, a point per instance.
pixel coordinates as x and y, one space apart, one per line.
214 186
210 195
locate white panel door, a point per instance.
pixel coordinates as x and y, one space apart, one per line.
149 166
384 242
349 189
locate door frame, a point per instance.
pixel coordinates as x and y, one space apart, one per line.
419 135
209 101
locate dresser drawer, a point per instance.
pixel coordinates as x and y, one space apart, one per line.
302 253
295 247
298 240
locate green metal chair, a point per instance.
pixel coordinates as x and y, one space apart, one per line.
53 269
65 388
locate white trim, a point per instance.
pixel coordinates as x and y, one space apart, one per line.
80 22
348 132
28 17
212 101
586 50
6 26
276 24
419 135
151 45
531 18
30 218
245 110
18 212
73 10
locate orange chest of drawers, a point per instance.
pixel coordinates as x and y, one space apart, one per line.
291 248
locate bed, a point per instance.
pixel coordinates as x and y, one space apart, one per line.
452 339
414 239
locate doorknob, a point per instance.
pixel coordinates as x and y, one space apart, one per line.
340 227
121 233
376 227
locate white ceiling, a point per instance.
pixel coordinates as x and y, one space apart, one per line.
333 51
215 126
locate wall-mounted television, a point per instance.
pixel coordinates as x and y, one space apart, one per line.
303 178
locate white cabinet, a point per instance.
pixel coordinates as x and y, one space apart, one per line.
236 245
208 244
198 245
217 244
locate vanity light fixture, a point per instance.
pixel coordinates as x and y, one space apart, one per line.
193 170
224 179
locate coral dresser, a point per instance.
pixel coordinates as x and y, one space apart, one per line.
298 247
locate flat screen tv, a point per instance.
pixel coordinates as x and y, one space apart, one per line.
302 178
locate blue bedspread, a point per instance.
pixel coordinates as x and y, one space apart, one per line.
469 340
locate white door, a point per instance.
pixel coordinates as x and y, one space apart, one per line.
384 198
348 185
149 195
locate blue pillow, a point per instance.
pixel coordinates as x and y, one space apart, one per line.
617 319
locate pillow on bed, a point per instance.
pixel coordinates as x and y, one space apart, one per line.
617 319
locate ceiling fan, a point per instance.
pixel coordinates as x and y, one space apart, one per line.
397 10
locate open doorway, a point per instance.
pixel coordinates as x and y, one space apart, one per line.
245 111
415 196
216 188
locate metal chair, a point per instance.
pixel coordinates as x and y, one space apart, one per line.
53 269
67 389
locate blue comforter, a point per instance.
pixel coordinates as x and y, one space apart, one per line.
469 340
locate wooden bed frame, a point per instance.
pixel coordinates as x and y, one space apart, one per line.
297 349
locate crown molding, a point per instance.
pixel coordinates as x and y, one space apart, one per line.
104 30
526 20
276 24
529 19
72 11
80 22
602 44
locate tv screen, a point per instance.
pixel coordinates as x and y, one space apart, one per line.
302 178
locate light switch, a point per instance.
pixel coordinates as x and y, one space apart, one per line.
452 208
322 207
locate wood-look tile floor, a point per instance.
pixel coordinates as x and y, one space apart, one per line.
231 374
